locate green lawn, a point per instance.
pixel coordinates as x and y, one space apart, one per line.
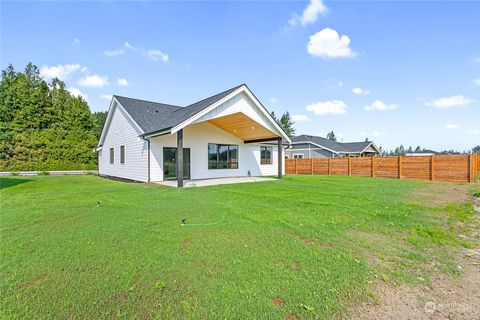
304 247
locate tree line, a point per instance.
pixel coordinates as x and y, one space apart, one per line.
43 126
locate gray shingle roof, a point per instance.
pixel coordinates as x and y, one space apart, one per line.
341 147
152 116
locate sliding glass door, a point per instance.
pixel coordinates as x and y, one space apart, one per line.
170 163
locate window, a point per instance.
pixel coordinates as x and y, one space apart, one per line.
222 156
112 155
122 154
298 156
266 155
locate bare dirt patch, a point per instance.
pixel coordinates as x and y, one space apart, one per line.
292 316
311 241
123 297
298 266
35 282
447 297
277 302
185 245
438 194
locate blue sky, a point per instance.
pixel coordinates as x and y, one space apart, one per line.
395 72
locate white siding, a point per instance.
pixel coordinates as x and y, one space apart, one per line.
197 137
123 131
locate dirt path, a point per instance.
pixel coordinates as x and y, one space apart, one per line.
447 297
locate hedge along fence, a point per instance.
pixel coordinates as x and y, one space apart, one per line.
454 168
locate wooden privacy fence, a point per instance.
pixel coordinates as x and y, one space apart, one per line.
455 168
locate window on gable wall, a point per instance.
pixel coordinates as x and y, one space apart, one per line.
112 155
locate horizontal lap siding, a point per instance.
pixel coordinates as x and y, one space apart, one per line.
416 168
451 168
361 167
339 166
122 131
386 167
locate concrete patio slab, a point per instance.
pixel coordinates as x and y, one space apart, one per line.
213 182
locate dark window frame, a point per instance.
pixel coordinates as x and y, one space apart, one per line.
263 155
218 161
112 155
122 154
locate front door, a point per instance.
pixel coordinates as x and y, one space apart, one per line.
170 163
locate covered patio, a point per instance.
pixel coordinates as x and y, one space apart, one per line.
213 182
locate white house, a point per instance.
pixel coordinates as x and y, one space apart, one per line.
229 134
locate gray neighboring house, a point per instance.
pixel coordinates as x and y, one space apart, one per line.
305 146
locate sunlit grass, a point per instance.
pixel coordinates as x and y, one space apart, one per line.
87 247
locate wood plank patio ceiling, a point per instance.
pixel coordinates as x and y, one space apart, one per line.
243 127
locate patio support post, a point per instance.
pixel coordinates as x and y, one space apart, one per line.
280 157
180 158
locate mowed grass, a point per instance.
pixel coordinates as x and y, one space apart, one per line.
304 247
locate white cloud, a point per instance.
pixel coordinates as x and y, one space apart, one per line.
93 81
106 96
340 83
328 44
451 126
129 46
122 82
381 106
336 107
60 71
310 14
273 100
474 131
379 133
477 60
77 93
359 91
113 53
155 54
76 41
449 102
300 118
477 81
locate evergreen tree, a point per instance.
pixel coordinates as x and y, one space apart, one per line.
476 149
100 118
287 124
331 136
43 127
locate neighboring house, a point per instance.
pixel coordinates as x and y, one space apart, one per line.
226 135
422 153
306 146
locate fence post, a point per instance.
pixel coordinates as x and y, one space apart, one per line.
329 166
311 166
432 170
399 167
349 166
470 168
296 165
373 166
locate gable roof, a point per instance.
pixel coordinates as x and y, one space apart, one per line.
153 117
337 147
